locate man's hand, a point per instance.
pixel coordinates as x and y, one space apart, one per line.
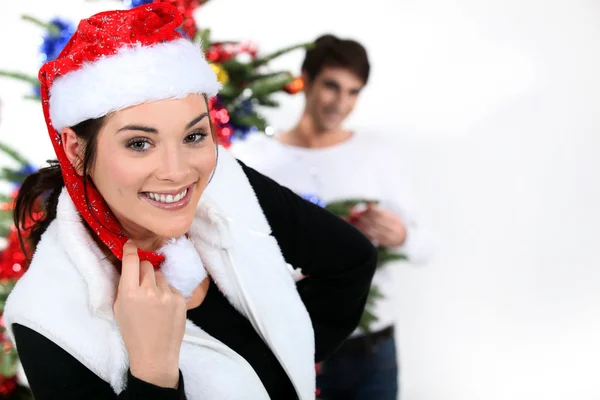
382 227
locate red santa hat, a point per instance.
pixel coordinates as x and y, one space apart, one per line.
115 60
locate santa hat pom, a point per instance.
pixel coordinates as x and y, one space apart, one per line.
182 268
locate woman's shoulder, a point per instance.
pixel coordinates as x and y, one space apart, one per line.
55 299
47 255
51 285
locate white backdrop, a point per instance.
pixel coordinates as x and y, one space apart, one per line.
494 106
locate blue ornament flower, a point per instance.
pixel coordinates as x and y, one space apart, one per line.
28 169
314 199
241 132
183 33
24 171
246 106
135 3
54 42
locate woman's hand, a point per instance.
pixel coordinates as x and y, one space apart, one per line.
151 316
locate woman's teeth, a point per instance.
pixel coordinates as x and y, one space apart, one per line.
162 198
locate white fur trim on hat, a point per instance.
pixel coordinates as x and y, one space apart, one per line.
135 75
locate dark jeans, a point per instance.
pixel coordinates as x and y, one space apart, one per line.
361 372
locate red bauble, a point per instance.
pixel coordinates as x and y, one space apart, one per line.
11 204
249 48
294 86
187 8
215 53
13 261
355 215
7 386
318 371
220 52
220 119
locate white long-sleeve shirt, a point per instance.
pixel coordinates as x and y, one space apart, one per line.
359 168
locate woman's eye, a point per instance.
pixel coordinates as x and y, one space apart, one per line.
195 137
138 145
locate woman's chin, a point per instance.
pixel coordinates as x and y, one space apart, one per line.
173 232
172 229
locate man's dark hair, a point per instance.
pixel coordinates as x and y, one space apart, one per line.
331 51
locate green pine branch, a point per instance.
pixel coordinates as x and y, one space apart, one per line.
14 154
268 84
266 59
238 72
266 102
255 77
32 97
366 320
340 210
249 120
343 208
5 229
20 77
386 255
8 363
368 317
260 87
5 215
6 222
203 38
11 175
230 92
52 28
5 288
224 42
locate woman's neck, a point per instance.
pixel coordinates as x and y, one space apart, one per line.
198 295
148 243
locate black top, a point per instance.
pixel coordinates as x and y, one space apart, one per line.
338 259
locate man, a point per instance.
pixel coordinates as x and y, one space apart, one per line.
321 159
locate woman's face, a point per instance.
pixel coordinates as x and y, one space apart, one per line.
153 162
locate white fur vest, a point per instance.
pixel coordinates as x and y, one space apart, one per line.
68 292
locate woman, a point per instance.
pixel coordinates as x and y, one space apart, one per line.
147 282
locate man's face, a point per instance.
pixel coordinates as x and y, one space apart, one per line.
331 96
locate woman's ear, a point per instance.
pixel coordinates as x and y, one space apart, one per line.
74 148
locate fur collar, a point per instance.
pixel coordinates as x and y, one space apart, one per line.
68 292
